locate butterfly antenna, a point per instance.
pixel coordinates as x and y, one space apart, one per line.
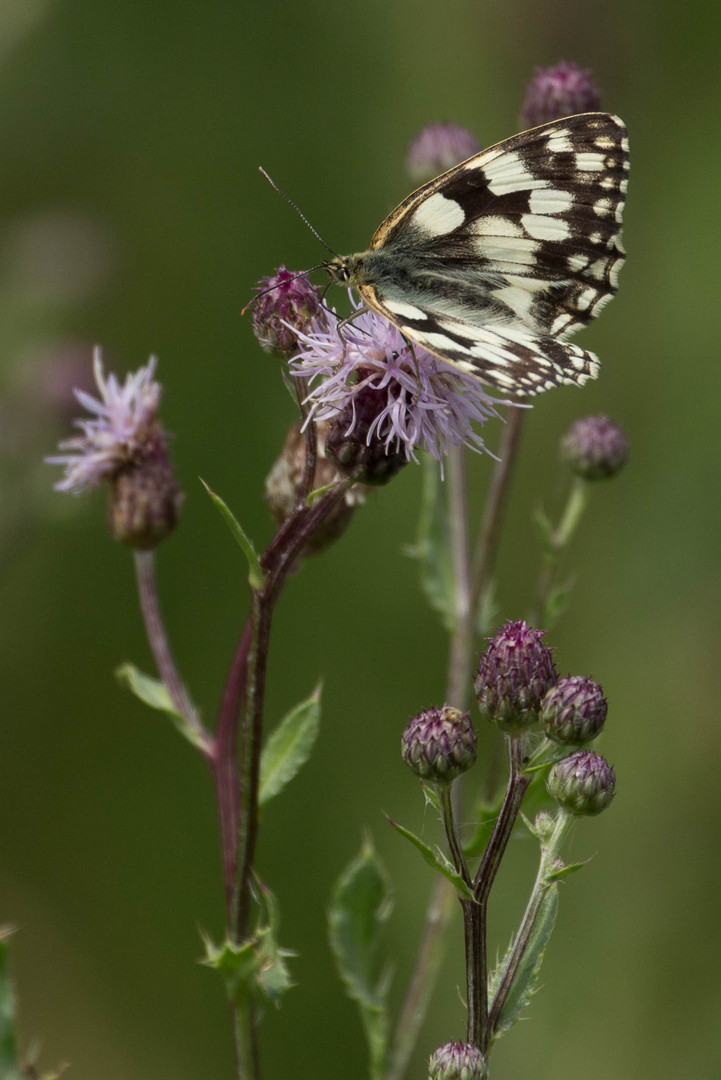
298 211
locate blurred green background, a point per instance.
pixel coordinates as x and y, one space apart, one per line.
133 215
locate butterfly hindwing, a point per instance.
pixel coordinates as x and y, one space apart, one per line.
493 264
513 360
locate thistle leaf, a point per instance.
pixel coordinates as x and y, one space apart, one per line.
360 905
525 982
154 693
256 576
436 859
289 747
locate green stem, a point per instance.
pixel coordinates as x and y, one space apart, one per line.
560 537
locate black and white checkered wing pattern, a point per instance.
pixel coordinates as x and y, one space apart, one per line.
495 263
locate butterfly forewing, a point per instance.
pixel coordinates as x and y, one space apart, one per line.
493 264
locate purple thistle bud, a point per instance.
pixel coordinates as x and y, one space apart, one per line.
583 783
574 710
357 440
457 1061
595 448
438 147
288 305
439 744
554 92
282 486
514 673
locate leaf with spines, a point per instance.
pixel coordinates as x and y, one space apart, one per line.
256 967
360 905
526 978
289 747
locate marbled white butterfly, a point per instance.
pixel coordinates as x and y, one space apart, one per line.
493 264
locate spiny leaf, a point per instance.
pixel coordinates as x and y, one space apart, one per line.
525 982
359 907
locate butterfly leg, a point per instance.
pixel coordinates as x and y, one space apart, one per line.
347 321
416 368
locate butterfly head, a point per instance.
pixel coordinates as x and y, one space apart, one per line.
343 269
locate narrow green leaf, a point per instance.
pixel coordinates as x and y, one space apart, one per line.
360 905
433 546
289 747
435 859
558 599
256 576
154 692
527 975
9 1065
545 531
566 871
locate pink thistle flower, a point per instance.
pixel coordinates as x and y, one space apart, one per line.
427 403
124 428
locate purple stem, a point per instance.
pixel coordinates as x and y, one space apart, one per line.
160 647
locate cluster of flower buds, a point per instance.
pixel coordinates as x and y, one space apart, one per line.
517 688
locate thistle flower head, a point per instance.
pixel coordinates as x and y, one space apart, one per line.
438 147
125 445
574 710
554 92
439 744
514 673
457 1061
288 303
421 401
583 783
355 446
124 426
595 448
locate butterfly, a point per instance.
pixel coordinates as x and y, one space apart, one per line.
495 263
